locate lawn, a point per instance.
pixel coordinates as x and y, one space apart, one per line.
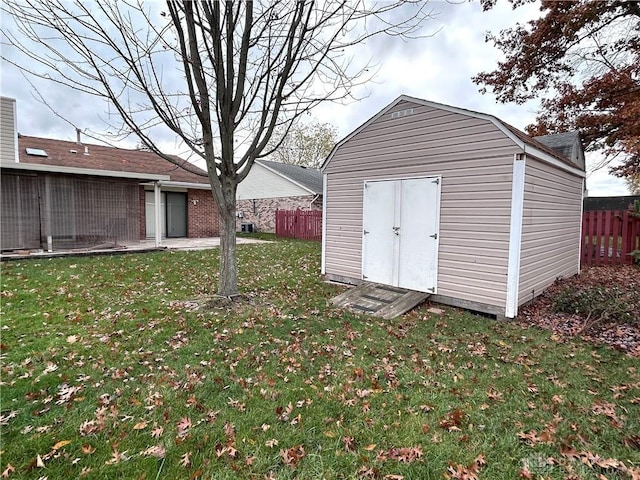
112 369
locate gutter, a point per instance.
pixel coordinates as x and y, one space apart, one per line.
35 167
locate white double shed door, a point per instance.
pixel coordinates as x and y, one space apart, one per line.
400 233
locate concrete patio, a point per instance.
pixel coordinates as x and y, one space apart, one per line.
135 247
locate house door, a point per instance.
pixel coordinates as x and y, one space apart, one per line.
176 214
400 237
150 214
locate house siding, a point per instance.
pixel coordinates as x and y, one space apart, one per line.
550 229
263 183
262 211
8 135
475 161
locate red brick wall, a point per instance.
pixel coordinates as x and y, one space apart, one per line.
202 214
262 211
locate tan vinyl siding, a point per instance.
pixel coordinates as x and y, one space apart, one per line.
8 142
550 229
475 161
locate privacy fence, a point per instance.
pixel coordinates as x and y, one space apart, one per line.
609 236
303 224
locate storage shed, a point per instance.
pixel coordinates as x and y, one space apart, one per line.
452 202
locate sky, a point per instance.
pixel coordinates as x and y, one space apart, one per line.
438 67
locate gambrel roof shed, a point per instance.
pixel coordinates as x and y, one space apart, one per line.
452 202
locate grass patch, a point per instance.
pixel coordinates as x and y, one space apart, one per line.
110 371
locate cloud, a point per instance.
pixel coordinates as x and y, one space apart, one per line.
437 68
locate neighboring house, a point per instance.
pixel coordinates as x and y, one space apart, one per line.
624 202
452 202
63 194
272 186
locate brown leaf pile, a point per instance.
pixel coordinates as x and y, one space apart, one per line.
618 334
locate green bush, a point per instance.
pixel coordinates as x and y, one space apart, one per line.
596 303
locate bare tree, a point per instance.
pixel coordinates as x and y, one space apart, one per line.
222 76
306 144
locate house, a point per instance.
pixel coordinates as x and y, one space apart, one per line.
452 202
63 194
272 186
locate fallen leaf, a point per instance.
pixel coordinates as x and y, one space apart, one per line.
87 449
370 447
185 460
8 471
157 451
183 427
61 444
140 425
293 455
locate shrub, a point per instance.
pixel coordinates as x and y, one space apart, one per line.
597 303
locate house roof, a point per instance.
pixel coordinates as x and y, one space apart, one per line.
527 143
308 178
71 155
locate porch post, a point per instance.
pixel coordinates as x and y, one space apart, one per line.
47 213
157 211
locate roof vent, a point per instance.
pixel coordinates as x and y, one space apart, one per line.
36 152
402 113
86 150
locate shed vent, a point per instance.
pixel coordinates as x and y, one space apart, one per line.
402 113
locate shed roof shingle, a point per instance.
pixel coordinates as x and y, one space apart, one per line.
560 142
100 157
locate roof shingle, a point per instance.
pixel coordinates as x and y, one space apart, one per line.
100 157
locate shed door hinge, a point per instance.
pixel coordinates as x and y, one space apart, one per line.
431 289
364 277
436 181
435 235
366 231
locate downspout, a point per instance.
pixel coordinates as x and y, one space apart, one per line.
313 200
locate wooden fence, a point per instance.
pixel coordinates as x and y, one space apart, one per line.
608 236
304 224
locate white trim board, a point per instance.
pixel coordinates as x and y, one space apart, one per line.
515 235
34 167
323 260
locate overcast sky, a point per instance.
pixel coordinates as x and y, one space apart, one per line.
437 68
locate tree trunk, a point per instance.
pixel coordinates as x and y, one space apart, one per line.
228 281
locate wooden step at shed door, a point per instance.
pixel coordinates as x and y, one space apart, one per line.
379 300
